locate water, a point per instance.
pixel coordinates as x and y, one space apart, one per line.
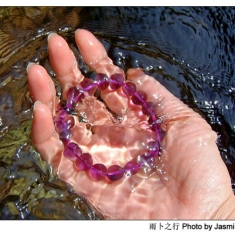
189 50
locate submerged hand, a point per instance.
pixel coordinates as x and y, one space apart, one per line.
190 180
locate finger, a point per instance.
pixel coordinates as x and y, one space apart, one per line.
41 86
94 53
43 125
63 62
44 136
96 56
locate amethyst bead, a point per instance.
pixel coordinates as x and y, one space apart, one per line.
152 120
139 97
116 81
153 148
154 124
88 85
145 160
60 124
149 109
71 92
86 82
72 151
65 136
83 162
131 168
152 145
70 105
76 150
115 172
75 94
98 172
70 122
129 88
102 81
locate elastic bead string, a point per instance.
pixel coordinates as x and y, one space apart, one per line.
64 122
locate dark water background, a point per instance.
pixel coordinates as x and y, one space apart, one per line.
190 50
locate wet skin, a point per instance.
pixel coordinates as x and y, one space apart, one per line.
190 180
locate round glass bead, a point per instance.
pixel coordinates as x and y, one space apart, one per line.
152 120
116 81
146 161
83 162
79 97
60 124
70 122
75 94
75 148
102 81
72 151
147 111
129 88
131 168
153 147
115 172
70 106
87 82
154 124
98 172
139 97
65 135
71 91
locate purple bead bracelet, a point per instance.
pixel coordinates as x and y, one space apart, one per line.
64 122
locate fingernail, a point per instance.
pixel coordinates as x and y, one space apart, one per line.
51 35
77 30
36 104
29 65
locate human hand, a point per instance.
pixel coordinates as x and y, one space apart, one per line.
189 181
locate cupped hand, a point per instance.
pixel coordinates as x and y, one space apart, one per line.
189 181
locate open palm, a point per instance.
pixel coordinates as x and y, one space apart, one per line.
190 180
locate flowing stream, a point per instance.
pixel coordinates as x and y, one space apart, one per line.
190 50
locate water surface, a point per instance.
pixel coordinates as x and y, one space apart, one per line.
189 50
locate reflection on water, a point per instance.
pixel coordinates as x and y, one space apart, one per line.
188 50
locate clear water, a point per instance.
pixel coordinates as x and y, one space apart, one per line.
188 50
